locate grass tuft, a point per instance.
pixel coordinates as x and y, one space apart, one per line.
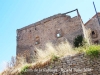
24 69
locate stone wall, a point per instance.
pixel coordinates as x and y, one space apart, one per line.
69 65
54 29
94 26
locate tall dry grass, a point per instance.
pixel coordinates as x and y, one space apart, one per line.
44 56
61 50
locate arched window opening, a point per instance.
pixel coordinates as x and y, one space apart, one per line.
37 40
35 28
30 31
59 33
94 34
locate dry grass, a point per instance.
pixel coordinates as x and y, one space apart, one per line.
13 68
63 49
43 57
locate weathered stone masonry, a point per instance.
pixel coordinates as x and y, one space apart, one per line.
94 26
53 29
78 64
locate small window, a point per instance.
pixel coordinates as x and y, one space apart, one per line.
59 33
35 51
30 30
94 34
37 41
35 28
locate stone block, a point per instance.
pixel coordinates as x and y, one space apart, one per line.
84 74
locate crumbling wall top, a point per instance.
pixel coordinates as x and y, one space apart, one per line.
44 20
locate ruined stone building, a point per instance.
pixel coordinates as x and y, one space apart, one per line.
94 26
55 29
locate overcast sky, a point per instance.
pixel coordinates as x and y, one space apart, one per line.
15 14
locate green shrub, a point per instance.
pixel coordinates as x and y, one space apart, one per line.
24 69
78 41
55 58
93 51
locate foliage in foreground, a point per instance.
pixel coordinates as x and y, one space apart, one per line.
93 51
24 68
53 53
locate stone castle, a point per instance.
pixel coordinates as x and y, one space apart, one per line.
54 29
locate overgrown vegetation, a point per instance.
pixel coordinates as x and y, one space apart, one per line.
54 58
24 69
93 51
53 53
